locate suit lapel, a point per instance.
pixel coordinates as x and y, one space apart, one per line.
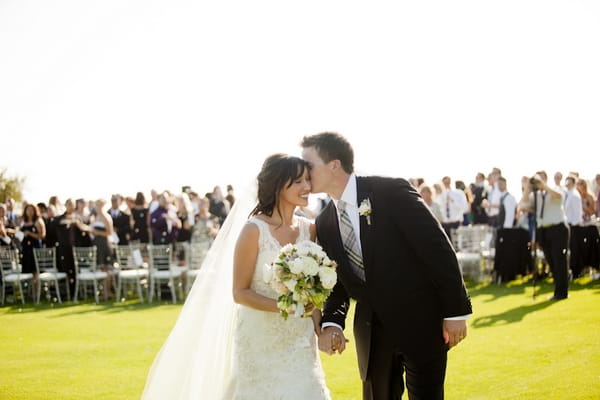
366 234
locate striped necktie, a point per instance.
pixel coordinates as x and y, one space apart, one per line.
350 242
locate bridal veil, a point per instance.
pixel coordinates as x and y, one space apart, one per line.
195 360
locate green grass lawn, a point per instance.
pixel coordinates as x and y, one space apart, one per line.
517 348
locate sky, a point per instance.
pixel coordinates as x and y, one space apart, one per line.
124 96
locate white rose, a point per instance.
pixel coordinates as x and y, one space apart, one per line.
287 249
310 266
328 277
296 266
326 261
365 207
290 284
303 248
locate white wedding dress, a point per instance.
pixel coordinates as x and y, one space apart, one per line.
221 350
274 358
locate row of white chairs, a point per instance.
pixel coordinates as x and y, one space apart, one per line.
148 267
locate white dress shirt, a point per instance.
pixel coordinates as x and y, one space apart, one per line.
510 208
573 207
454 205
494 200
549 210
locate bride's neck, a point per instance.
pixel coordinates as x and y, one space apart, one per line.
286 217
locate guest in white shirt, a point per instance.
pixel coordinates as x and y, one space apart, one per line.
552 230
492 203
454 205
557 183
573 206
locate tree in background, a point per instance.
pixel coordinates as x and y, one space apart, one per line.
10 187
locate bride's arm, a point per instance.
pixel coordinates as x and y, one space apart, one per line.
316 317
244 262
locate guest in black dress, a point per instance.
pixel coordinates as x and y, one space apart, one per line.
219 207
82 228
102 230
51 222
34 230
66 232
140 214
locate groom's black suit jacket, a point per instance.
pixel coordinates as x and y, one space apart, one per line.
413 280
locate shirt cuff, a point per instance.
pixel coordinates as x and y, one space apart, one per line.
5 239
458 318
326 324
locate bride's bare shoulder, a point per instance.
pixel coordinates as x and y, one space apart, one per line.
249 232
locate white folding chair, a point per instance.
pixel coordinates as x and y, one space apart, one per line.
86 272
11 273
131 269
45 265
198 251
163 270
473 245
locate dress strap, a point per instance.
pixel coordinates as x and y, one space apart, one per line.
263 229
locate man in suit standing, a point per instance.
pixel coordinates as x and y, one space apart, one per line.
479 194
398 264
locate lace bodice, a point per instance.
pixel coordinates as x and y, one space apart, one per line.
274 358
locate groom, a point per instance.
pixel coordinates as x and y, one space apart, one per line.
397 262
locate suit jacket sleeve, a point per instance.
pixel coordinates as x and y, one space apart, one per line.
432 247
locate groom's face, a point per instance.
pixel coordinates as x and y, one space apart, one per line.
320 173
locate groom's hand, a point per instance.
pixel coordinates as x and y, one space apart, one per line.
454 331
331 340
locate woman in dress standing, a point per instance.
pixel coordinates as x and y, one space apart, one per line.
219 349
34 231
139 213
103 230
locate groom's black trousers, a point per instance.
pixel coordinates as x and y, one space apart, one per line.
424 374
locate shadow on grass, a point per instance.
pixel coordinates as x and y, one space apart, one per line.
527 286
86 307
543 289
511 316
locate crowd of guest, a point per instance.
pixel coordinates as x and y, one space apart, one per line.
556 211
165 218
561 217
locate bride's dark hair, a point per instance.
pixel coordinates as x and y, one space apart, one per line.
278 171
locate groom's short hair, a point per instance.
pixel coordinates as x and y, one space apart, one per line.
332 146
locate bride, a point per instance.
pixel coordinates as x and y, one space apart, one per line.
239 347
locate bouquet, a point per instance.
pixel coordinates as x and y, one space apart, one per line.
301 275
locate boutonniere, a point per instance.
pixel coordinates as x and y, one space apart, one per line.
364 210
